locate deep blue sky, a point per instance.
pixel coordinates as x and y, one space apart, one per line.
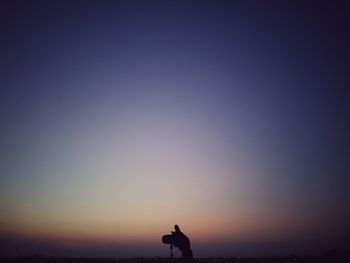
238 108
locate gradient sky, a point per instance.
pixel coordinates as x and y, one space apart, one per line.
123 118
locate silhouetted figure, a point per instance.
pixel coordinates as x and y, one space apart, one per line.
181 241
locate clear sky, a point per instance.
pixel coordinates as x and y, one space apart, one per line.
123 118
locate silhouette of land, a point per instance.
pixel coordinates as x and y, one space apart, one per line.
333 256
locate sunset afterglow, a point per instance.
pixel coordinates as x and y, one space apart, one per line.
123 118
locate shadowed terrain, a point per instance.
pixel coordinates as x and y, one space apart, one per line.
332 256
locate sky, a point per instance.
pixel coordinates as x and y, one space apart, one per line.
120 119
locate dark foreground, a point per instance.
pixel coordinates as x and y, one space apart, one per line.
332 257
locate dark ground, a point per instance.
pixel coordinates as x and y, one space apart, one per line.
330 256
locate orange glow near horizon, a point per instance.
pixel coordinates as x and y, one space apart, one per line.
148 230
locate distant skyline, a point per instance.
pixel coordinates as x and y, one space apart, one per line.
123 118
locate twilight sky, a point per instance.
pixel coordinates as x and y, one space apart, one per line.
123 118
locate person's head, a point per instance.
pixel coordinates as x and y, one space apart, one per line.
177 228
